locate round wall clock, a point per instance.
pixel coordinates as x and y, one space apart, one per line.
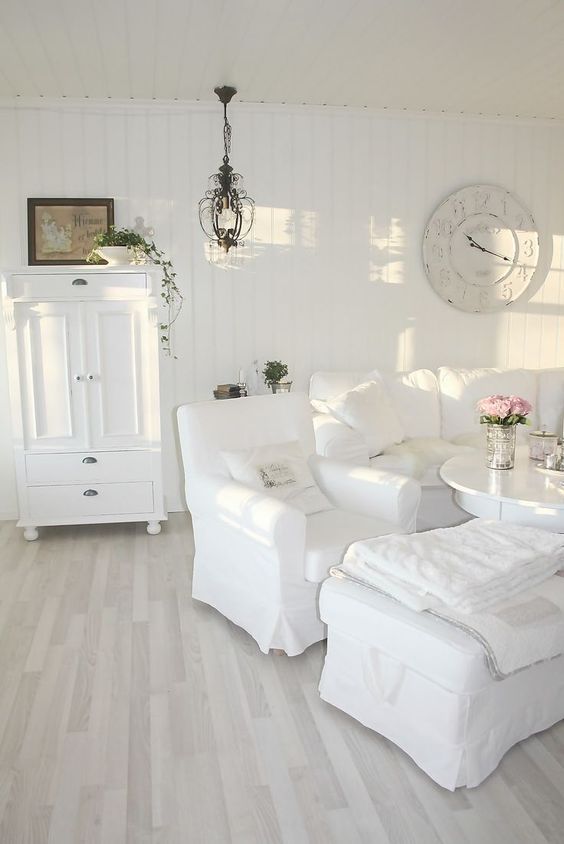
480 248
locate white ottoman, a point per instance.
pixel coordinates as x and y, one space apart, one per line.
425 685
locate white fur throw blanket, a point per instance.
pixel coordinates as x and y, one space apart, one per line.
469 567
493 579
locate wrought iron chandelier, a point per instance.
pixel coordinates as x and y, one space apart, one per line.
226 212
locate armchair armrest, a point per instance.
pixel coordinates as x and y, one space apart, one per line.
264 518
242 523
337 440
371 492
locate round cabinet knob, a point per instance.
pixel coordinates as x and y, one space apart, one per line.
89 492
90 376
89 460
78 377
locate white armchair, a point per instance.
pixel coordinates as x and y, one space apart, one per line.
259 560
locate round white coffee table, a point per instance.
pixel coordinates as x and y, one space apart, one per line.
527 494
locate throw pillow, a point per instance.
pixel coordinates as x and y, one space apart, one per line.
368 410
279 470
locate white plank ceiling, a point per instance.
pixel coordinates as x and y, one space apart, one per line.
485 56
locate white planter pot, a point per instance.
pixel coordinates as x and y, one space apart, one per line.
115 255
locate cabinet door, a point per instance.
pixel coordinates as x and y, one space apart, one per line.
50 359
120 354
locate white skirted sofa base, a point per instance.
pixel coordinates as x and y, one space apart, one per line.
438 420
259 560
425 686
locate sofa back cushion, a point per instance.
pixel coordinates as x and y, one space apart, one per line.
415 396
208 428
460 389
324 386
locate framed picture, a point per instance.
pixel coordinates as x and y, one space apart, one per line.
62 231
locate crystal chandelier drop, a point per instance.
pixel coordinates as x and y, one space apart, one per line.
226 212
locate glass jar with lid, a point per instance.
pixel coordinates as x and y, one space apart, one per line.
542 443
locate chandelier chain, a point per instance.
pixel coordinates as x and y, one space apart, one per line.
226 133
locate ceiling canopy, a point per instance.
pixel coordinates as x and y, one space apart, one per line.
489 56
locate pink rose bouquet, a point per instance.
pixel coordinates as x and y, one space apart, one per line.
504 410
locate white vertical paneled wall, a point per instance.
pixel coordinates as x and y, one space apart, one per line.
336 278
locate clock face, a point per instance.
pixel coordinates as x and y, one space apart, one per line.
480 248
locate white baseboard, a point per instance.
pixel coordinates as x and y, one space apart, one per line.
174 505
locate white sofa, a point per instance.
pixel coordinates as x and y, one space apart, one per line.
438 417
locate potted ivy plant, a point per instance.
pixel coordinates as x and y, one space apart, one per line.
274 371
134 249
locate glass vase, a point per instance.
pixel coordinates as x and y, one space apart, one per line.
500 446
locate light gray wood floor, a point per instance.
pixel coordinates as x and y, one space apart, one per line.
129 713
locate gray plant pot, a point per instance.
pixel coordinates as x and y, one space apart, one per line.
281 386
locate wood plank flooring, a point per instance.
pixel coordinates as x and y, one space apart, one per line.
130 714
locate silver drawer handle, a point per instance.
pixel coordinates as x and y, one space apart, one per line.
89 460
78 281
89 492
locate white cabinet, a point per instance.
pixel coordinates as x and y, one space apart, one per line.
83 361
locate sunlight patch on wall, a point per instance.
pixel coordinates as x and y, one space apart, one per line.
285 227
387 250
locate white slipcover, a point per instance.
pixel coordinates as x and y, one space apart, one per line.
258 560
425 686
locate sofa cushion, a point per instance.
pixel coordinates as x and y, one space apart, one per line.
419 458
279 470
475 439
368 410
460 389
328 535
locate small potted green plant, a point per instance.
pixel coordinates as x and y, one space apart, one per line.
274 371
134 249
116 247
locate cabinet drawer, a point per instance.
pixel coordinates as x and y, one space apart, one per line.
51 502
78 285
88 466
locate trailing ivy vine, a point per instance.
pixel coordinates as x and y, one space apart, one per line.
142 251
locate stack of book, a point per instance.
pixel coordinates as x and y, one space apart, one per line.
227 391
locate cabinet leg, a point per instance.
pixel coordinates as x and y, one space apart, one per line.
30 533
153 528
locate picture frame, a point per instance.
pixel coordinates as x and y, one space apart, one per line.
62 231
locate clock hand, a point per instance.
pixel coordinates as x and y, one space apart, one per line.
497 255
483 249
